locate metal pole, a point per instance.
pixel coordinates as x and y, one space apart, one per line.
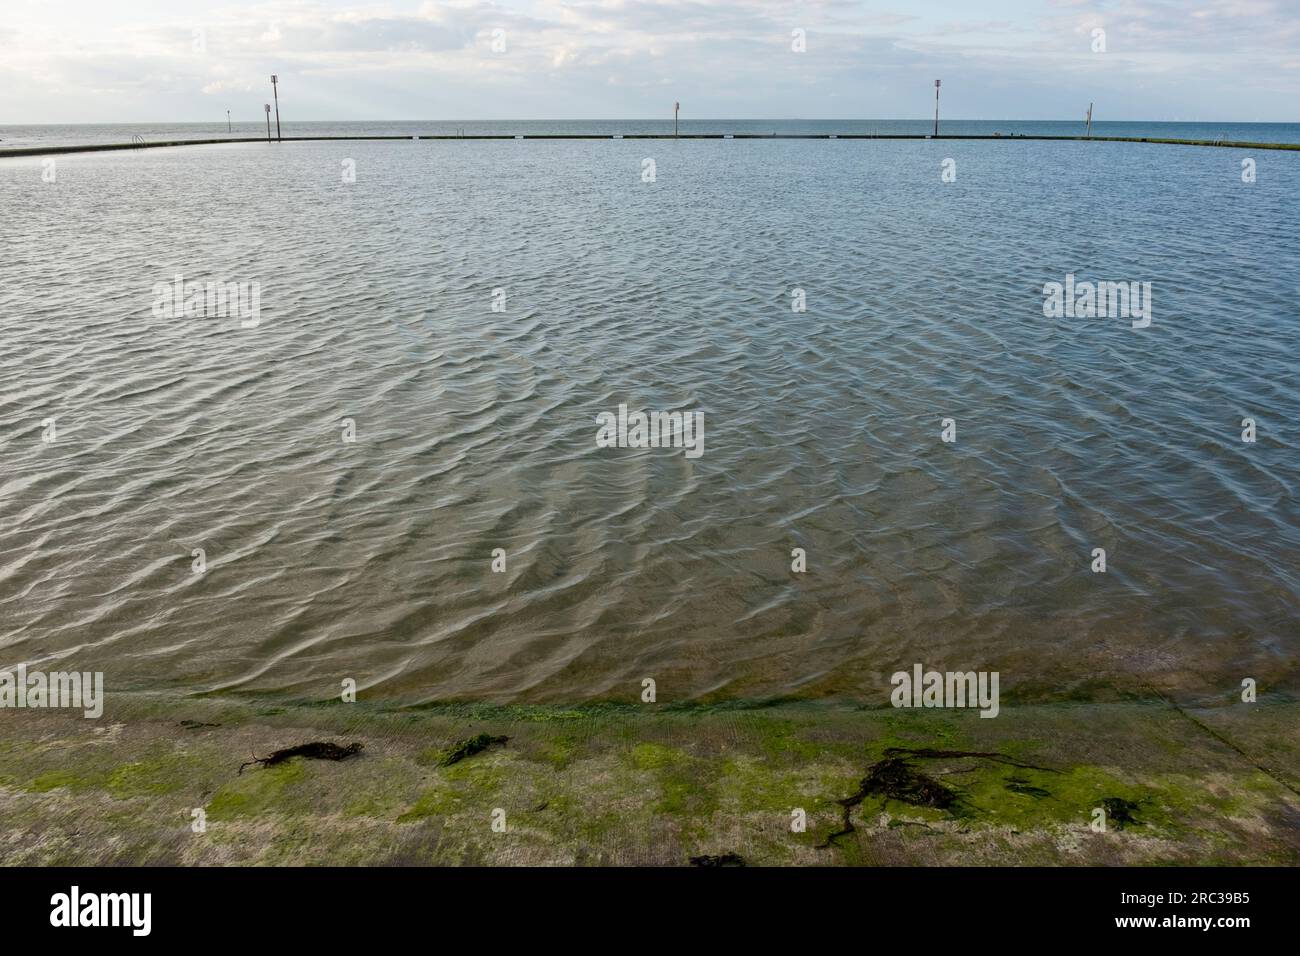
276 93
936 107
268 122
1089 132
227 121
676 106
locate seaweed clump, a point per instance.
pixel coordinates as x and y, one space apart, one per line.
196 724
1016 785
316 750
469 747
726 859
1120 811
894 778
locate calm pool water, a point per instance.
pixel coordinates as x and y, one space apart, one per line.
475 429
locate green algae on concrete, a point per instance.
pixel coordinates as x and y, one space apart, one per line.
154 775
256 794
55 779
625 784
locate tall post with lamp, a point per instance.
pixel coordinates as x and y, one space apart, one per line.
275 81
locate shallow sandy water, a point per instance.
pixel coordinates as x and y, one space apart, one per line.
476 429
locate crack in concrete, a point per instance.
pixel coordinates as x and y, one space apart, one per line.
1275 775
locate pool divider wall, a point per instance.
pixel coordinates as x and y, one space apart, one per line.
105 147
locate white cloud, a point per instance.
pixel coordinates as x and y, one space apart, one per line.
66 61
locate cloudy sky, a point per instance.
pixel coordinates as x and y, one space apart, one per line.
65 61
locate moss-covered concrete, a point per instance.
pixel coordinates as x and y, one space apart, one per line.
629 784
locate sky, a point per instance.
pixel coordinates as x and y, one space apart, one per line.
117 61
